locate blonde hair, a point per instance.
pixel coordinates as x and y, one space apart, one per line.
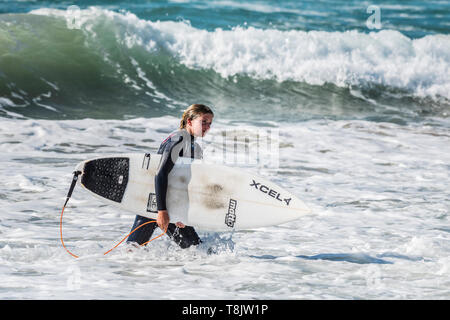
192 112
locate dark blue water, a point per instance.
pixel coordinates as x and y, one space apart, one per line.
293 60
414 18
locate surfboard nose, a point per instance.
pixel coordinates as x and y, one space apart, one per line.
302 208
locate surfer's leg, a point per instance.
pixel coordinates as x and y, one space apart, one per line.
184 237
144 233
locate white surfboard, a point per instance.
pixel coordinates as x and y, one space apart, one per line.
203 195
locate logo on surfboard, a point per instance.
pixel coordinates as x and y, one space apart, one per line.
151 204
230 218
271 192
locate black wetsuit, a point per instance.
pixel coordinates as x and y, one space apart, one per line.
179 144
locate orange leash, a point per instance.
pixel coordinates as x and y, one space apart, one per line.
75 256
134 231
75 178
61 236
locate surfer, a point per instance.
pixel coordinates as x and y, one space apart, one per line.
195 122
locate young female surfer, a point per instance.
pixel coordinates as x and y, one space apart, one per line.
195 123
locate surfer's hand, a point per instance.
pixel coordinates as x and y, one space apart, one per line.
163 219
180 224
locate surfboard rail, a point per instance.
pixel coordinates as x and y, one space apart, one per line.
204 195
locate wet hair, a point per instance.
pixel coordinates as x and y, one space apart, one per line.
192 112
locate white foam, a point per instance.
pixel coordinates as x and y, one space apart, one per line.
357 176
349 58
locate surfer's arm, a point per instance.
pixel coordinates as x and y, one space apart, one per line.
169 156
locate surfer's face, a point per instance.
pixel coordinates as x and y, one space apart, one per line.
200 125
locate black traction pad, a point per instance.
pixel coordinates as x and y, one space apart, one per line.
107 177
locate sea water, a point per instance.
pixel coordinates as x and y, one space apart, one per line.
357 94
